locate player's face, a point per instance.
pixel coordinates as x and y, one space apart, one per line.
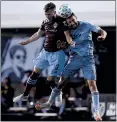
50 14
72 22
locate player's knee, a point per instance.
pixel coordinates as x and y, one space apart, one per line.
92 85
34 75
50 78
36 70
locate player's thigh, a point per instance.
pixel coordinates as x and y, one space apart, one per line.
40 63
89 72
72 66
51 78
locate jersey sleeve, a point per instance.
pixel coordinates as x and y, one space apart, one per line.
93 27
42 26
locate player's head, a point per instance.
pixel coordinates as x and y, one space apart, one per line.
50 10
18 55
72 21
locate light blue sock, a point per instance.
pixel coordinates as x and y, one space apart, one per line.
95 100
54 93
61 109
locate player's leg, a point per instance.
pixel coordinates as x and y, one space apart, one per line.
89 72
56 95
51 80
57 70
95 99
69 68
29 84
31 80
39 65
53 83
57 63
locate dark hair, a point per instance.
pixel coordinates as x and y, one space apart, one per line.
49 6
13 50
72 15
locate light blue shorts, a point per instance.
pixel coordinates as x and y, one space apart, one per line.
85 63
55 61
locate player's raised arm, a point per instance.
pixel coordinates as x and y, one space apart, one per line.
102 33
68 38
99 30
34 37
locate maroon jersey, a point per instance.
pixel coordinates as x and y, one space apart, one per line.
54 31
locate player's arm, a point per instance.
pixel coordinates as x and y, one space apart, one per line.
62 44
68 38
33 38
98 30
102 35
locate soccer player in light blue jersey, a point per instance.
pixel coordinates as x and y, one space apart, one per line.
81 57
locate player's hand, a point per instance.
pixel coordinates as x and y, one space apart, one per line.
58 44
23 43
61 44
101 38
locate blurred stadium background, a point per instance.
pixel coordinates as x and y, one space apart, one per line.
19 20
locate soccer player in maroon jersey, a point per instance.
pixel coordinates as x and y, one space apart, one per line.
51 55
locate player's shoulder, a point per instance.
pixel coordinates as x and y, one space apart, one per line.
59 18
84 22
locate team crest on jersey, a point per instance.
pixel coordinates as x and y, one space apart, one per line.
65 23
55 25
46 20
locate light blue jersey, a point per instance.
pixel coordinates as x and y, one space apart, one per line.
82 53
82 36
